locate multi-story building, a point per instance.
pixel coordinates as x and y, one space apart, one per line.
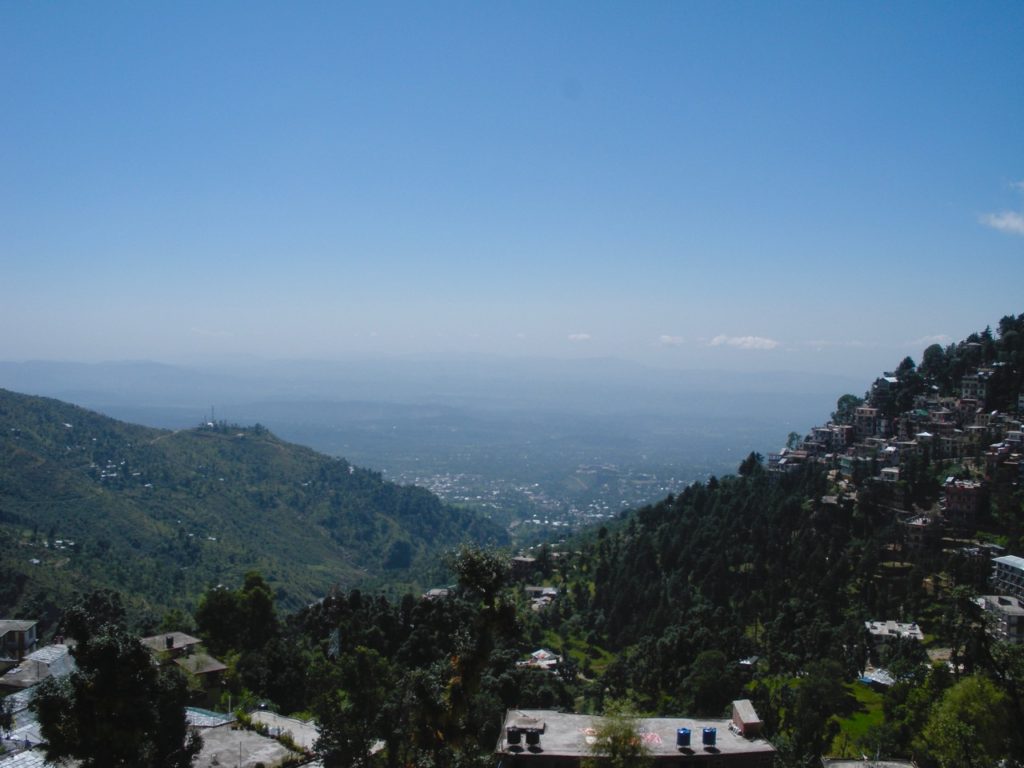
964 500
974 386
921 532
865 422
1008 576
1007 614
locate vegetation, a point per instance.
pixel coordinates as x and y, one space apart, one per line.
654 613
92 502
117 709
618 743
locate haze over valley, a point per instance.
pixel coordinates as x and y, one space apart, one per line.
556 442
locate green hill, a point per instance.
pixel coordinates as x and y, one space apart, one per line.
87 501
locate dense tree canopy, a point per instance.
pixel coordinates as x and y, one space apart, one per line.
118 709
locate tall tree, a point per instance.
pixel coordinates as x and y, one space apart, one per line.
352 691
970 726
117 709
845 406
617 743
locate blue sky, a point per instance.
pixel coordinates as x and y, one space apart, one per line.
756 186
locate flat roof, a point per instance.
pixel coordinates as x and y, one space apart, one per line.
222 745
158 643
200 664
892 628
1011 560
1004 604
15 625
51 660
573 735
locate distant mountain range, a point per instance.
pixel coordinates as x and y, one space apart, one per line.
87 501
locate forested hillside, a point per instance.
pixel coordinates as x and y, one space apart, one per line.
757 585
87 501
763 585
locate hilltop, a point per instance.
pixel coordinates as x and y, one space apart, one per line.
87 501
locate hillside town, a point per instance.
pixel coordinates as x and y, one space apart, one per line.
873 446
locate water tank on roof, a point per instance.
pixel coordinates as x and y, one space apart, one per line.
532 738
514 735
710 736
683 737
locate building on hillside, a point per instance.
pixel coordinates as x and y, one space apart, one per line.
171 645
857 467
1007 614
17 638
541 597
952 445
1003 462
547 739
883 631
831 438
786 460
964 500
1008 576
921 532
541 659
974 386
865 422
185 652
204 668
48 661
523 566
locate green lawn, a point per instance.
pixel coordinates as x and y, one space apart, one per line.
863 712
578 651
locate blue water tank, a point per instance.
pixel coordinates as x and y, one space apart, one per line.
683 737
710 736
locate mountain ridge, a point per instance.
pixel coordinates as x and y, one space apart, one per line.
165 514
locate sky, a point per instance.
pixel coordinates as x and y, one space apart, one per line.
722 185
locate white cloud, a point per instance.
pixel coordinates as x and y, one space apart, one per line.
670 341
579 337
744 342
1010 222
1005 221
